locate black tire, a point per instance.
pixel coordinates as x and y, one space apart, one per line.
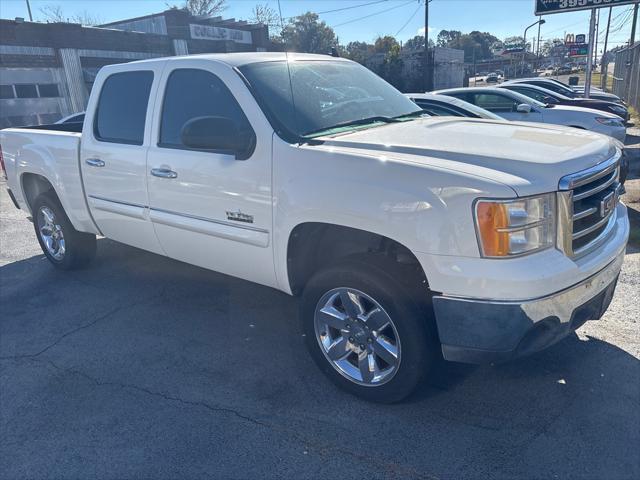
79 247
420 347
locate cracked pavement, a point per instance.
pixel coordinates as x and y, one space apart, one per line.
143 367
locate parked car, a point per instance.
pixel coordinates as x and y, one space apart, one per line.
514 106
492 78
559 87
407 238
552 98
441 105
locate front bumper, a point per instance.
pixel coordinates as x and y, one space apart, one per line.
484 331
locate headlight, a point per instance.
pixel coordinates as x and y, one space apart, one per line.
509 228
610 122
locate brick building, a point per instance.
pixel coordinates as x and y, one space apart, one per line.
47 69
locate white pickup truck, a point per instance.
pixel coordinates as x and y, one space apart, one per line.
409 238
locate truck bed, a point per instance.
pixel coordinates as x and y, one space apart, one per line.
52 152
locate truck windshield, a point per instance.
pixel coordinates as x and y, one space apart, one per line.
324 97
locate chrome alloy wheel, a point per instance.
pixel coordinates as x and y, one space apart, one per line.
357 336
51 233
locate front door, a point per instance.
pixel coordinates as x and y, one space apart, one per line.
208 207
505 106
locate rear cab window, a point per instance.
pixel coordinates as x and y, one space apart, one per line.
122 107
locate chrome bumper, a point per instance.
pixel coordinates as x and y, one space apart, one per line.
483 331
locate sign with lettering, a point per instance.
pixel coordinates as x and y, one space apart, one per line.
579 50
208 32
546 7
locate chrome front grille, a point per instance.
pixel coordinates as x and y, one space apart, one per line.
587 206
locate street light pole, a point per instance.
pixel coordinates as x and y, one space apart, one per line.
428 75
524 51
29 10
592 32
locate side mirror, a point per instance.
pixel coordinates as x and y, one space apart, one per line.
550 100
523 108
218 134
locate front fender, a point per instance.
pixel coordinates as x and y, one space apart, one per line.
425 209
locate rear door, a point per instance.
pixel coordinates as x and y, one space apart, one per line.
115 142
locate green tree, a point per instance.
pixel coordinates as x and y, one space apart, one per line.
385 44
446 36
306 33
417 43
392 67
359 51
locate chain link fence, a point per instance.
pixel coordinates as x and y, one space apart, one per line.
626 75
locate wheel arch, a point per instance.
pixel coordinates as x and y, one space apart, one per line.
34 184
313 245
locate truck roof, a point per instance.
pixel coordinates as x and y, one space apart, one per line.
243 58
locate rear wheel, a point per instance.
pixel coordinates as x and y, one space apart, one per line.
63 245
365 333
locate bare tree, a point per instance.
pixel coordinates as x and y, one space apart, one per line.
203 8
265 15
55 14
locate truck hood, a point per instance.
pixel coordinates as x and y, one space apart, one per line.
529 159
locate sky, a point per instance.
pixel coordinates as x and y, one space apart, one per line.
400 18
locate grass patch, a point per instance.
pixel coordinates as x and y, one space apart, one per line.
596 81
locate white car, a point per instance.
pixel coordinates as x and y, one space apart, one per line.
442 105
407 238
514 106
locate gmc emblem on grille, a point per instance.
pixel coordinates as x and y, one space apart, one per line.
607 204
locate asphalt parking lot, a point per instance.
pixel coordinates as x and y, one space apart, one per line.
143 367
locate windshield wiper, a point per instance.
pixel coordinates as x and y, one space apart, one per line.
416 114
353 123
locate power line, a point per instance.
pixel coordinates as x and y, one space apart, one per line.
372 14
342 8
407 22
352 6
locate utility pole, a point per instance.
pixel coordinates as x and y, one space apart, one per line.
428 76
29 9
595 55
632 40
538 45
603 67
592 31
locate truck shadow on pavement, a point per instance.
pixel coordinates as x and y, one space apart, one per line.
139 348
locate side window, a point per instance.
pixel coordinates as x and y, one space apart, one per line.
439 110
192 93
535 94
122 107
494 102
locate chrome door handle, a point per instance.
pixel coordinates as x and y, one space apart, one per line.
94 162
163 173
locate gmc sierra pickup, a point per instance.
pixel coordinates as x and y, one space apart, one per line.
409 238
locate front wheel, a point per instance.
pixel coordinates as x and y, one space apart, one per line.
365 333
63 245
